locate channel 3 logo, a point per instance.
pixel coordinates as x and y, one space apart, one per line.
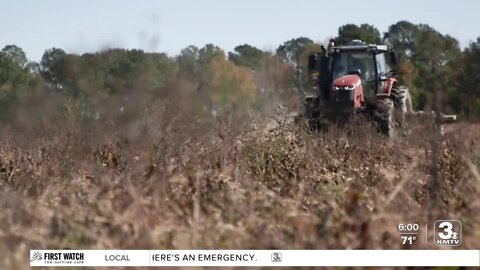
276 257
448 233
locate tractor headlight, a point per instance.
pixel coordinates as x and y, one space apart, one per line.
347 87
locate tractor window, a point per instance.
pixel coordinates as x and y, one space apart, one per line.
382 66
347 62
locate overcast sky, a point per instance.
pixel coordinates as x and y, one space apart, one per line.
80 26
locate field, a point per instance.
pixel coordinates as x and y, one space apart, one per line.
178 180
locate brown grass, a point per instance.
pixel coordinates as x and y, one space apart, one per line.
179 180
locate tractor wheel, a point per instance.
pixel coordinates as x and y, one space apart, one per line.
385 115
312 113
311 108
402 103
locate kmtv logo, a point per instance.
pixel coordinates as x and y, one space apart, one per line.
448 233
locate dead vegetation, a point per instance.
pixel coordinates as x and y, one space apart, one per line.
237 181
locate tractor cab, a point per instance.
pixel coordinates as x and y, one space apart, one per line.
353 66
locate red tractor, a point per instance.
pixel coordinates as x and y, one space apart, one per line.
356 78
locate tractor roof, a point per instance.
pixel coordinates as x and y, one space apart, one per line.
357 45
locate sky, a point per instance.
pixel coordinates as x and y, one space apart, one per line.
80 26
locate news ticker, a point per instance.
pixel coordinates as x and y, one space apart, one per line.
225 258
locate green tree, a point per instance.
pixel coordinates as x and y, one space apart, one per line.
403 37
188 62
158 69
428 60
433 49
12 79
33 68
194 63
53 66
246 55
208 53
291 52
365 32
469 81
16 54
433 57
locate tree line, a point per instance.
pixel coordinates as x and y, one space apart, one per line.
431 64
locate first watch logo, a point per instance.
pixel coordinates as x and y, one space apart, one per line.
448 233
57 258
36 256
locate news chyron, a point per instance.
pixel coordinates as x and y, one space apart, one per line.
444 237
